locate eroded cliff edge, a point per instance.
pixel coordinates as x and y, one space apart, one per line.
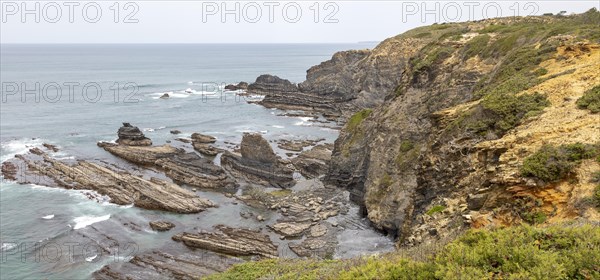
462 106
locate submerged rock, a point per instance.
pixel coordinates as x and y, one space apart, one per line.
164 96
132 136
161 225
257 163
231 241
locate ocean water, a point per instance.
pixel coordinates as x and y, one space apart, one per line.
73 96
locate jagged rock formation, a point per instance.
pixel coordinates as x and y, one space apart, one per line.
178 165
132 136
120 186
257 163
201 143
314 162
437 157
231 241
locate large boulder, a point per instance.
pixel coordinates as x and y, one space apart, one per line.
132 136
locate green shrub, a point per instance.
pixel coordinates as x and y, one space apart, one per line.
476 45
535 217
551 163
590 100
435 209
433 55
501 112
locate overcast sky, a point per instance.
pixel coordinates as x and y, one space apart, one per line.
245 22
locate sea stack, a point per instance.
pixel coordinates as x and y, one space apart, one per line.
132 136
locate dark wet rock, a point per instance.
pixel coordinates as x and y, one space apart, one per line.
167 264
239 86
132 136
314 162
175 131
36 151
231 241
257 163
119 185
9 170
161 225
50 147
164 96
203 138
266 84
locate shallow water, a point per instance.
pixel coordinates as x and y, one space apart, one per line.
58 234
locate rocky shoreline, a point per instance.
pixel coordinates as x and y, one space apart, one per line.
299 226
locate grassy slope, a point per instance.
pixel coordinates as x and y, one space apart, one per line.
524 252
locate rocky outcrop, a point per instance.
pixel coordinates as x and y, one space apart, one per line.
164 96
314 162
188 168
257 163
119 185
161 225
290 229
201 143
239 86
231 241
132 136
350 80
266 84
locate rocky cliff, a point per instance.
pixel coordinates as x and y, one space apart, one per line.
451 114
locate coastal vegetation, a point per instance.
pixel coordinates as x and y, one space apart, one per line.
590 100
551 163
521 252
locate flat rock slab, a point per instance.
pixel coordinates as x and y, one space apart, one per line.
231 241
122 187
290 229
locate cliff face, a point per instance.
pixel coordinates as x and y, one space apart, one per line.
462 111
349 81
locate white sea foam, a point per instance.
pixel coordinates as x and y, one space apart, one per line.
49 217
84 221
304 121
90 259
8 246
18 146
278 126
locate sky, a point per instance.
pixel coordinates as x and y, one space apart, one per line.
191 21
